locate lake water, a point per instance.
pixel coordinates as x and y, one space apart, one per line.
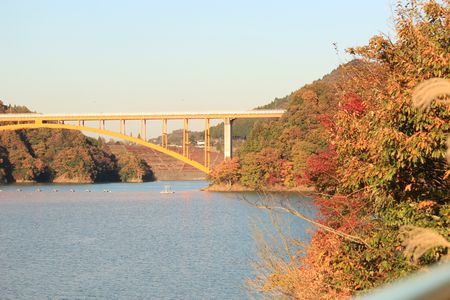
128 241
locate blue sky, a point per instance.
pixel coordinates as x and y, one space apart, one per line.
138 56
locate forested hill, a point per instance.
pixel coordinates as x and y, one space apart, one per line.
56 155
242 127
283 152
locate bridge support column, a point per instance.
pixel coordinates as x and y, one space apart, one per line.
186 138
227 138
207 143
164 136
122 126
144 130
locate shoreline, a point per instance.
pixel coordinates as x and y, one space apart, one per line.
223 188
215 188
85 182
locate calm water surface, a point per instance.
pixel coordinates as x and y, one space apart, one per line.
129 243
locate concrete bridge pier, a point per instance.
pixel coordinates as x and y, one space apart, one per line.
227 138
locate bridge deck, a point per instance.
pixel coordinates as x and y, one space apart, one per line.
254 114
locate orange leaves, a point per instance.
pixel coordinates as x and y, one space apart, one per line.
408 188
434 11
393 143
226 172
309 95
426 204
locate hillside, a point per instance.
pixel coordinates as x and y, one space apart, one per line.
165 167
277 152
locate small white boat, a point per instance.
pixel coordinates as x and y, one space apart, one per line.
167 190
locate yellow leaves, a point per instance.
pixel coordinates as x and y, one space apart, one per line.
408 188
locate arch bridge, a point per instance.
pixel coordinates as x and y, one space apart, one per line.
77 122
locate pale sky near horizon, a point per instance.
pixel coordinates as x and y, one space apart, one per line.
152 56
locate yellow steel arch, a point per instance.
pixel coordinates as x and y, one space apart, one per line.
110 133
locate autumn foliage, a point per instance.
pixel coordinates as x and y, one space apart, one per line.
378 163
276 153
226 172
321 170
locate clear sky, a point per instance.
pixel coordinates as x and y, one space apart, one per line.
138 56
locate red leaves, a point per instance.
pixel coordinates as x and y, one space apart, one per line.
342 212
321 163
321 169
326 120
352 104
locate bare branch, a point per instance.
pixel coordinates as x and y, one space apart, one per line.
299 215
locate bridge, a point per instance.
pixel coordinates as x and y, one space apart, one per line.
80 122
